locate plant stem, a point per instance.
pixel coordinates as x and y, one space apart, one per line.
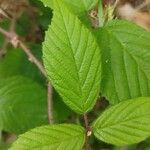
88 132
49 103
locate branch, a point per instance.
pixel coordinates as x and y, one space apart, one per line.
14 40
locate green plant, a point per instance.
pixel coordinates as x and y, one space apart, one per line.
83 64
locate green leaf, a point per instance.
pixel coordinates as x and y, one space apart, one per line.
21 108
78 6
72 60
63 137
125 123
81 6
18 97
18 64
126 61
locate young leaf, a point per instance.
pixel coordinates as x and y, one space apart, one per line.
63 137
72 60
78 6
126 61
21 108
125 123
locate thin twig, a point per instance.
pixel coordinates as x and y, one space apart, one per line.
14 40
4 13
5 33
49 103
88 132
